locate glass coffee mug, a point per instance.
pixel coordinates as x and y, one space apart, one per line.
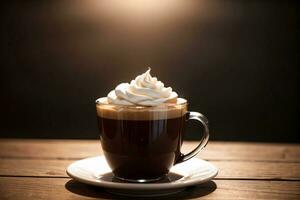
142 143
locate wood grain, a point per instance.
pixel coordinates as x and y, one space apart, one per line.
76 149
35 169
228 169
63 188
49 149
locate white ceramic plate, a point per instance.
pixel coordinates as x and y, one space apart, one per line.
95 171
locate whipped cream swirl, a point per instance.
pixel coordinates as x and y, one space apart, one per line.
144 90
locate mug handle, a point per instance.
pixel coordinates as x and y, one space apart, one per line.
204 121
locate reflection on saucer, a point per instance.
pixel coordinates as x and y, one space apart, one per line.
170 177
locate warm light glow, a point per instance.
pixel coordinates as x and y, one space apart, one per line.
139 11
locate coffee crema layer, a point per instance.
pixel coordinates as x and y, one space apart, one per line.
129 112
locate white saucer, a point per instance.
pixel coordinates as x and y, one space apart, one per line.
95 171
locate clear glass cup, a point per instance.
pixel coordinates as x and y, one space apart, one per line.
142 143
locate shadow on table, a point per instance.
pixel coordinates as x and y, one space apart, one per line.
97 192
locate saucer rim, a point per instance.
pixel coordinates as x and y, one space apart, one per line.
142 186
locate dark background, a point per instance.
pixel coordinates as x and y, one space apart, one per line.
237 62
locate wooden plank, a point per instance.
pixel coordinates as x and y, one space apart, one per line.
258 170
248 151
41 168
228 169
64 188
76 149
50 149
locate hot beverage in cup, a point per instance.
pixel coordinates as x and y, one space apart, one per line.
141 129
141 142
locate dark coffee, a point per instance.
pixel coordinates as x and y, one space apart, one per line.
141 149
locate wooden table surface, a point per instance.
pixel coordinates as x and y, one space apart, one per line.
35 169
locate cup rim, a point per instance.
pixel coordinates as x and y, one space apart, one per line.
183 103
